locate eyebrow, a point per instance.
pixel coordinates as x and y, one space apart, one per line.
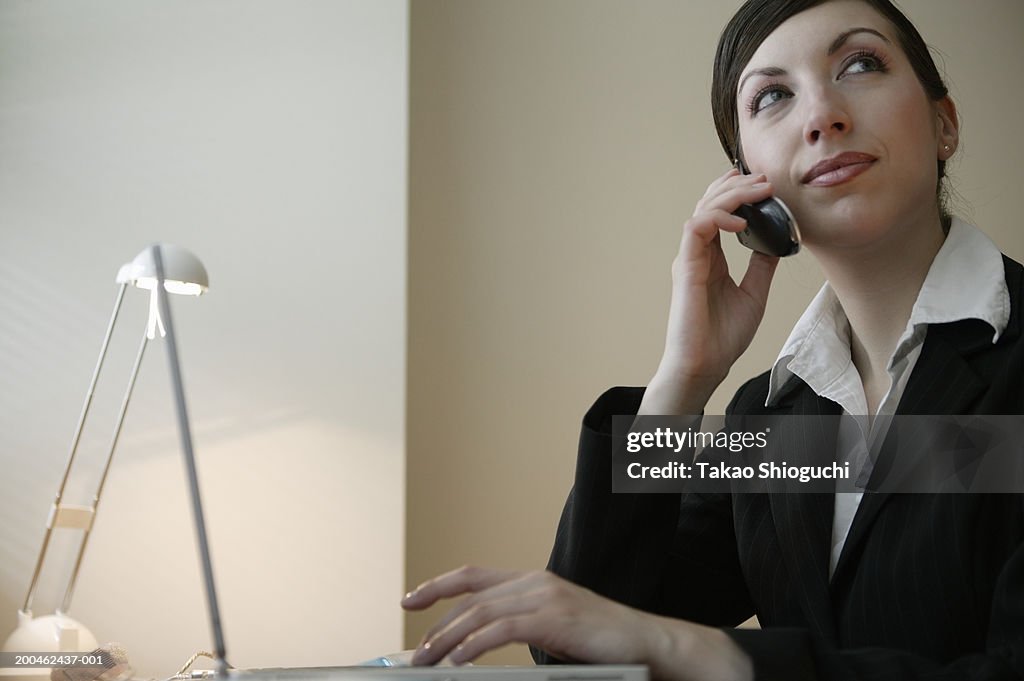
845 35
775 71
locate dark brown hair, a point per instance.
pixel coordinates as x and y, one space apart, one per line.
757 19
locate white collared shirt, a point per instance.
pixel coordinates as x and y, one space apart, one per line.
965 281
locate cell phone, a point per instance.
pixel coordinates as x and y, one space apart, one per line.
771 227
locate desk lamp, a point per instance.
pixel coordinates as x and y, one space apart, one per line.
182 273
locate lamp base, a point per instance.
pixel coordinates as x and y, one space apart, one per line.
55 633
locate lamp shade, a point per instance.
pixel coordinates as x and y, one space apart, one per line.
183 272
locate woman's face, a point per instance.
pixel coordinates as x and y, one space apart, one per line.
832 112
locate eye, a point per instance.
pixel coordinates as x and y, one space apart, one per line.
864 61
767 96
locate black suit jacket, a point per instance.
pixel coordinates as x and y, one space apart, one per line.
929 586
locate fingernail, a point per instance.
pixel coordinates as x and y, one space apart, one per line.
421 653
409 596
457 656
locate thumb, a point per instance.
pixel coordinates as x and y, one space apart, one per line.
758 278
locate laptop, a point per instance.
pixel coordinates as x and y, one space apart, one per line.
382 669
466 673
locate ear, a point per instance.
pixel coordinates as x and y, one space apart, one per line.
947 127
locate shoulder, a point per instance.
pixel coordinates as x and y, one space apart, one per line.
751 396
1014 273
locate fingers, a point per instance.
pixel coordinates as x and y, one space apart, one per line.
714 212
538 608
498 598
705 226
483 583
514 583
466 579
494 635
732 172
499 620
730 191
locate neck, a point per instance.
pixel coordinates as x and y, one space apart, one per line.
877 286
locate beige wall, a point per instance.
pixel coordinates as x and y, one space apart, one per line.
556 148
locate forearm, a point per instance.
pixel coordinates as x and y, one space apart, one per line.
613 544
649 551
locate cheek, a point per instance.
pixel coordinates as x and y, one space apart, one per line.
767 154
772 147
912 124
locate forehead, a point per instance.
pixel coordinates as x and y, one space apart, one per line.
809 33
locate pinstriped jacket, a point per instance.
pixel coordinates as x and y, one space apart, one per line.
929 586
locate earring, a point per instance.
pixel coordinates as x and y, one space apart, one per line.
945 148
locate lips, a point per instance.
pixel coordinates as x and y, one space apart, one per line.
838 169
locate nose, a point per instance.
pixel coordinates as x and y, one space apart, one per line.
827 116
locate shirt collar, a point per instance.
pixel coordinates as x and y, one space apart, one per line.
965 281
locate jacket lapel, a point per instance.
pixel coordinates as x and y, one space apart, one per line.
942 382
803 522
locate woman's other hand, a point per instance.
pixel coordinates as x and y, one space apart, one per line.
569 622
711 319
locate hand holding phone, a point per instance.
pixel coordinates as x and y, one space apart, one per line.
771 227
713 314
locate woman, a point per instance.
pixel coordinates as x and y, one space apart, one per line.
837 108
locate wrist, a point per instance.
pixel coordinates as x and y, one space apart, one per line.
669 395
684 651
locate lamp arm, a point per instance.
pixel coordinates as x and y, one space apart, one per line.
27 607
66 604
190 465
